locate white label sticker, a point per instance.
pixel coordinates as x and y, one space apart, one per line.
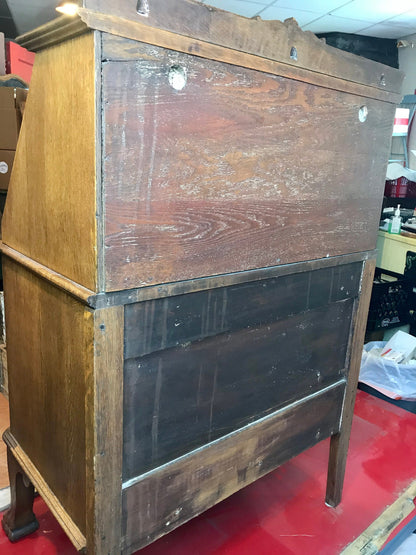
4 168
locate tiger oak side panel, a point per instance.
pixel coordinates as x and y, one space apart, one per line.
50 214
46 333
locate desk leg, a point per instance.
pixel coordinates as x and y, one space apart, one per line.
19 520
339 442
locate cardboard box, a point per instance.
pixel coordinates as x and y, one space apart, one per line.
11 104
19 61
6 164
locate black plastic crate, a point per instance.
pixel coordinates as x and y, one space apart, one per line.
389 305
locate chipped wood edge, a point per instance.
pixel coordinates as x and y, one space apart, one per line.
374 537
99 181
138 31
65 27
66 522
270 39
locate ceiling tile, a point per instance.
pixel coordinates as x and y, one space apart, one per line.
301 16
373 10
407 19
248 9
385 31
263 2
318 6
331 23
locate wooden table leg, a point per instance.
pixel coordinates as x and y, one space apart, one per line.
339 442
19 520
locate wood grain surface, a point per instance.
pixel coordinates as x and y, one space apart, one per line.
202 365
340 441
113 27
160 324
140 294
45 339
50 211
134 419
77 291
104 428
54 504
52 33
239 170
176 492
267 39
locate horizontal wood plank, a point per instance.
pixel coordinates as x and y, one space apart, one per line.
167 497
206 25
115 29
161 324
203 364
230 174
152 292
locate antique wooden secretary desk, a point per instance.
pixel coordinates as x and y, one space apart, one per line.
188 248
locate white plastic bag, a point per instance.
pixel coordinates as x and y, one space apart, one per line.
397 381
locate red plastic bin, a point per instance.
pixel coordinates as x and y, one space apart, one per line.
19 61
400 188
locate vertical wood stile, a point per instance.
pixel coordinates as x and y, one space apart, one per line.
104 405
340 441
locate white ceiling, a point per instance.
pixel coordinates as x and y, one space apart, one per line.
377 18
391 19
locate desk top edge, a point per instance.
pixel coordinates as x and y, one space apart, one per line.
203 27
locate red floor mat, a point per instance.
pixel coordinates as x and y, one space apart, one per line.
284 512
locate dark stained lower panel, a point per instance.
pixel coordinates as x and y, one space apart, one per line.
160 324
231 356
171 495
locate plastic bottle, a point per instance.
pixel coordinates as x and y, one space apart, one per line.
395 224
